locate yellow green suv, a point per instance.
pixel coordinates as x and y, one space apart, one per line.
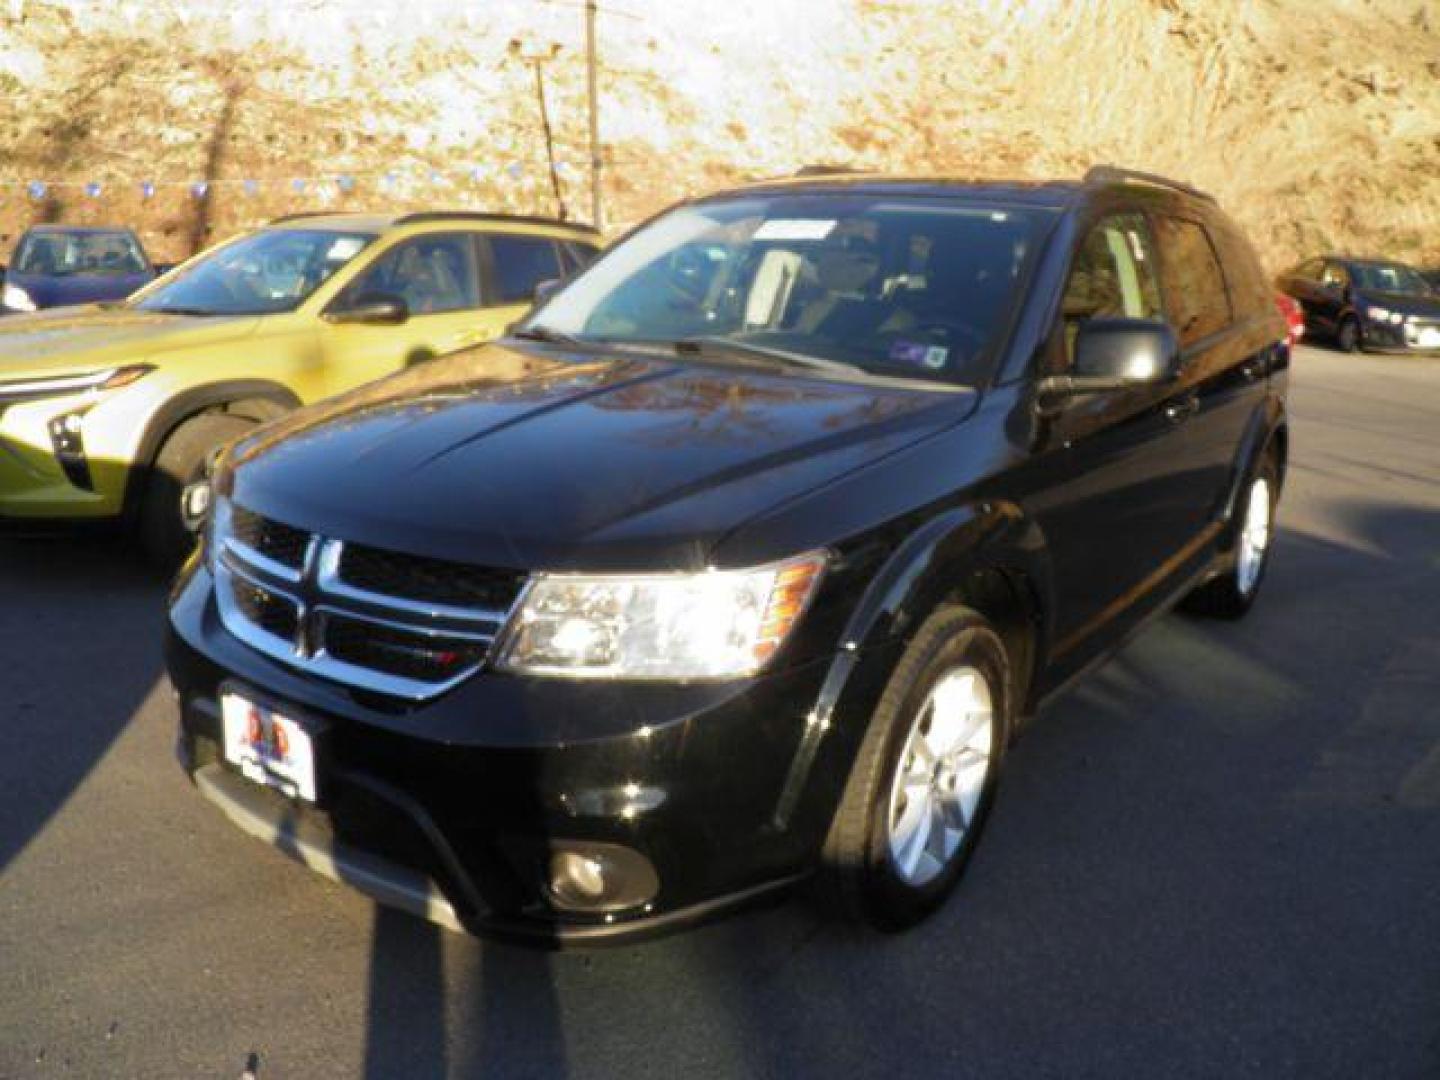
110 412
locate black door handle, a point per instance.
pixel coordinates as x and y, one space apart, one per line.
1182 408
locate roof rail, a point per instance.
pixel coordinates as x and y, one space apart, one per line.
446 215
484 215
1114 174
829 170
303 214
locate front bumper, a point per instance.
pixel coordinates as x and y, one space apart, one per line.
1383 336
453 808
85 479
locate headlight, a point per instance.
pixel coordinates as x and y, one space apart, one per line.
17 299
716 624
60 385
1380 314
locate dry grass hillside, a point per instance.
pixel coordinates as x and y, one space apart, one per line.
1317 122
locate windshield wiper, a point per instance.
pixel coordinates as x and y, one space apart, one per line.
199 312
700 346
548 335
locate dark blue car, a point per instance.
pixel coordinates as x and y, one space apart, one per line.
57 265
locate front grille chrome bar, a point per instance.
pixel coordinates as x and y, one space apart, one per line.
318 598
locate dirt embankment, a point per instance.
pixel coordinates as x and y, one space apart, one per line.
1316 122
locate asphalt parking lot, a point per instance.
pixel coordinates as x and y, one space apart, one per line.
1219 856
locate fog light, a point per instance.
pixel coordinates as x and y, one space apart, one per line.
577 880
68 441
600 878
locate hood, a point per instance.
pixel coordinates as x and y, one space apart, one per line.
538 459
62 291
1406 303
80 338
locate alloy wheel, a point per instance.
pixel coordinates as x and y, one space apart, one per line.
942 773
1254 538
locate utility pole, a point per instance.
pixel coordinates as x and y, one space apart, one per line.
537 55
591 63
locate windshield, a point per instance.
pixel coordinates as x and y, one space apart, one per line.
1390 277
894 286
260 274
85 253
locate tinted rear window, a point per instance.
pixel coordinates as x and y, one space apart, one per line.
1195 295
1250 290
521 263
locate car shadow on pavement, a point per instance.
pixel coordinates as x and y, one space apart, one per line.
87 617
1119 881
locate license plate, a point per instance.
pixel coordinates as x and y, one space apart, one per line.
1429 338
268 747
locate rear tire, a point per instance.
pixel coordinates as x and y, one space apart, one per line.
1231 595
923 782
166 533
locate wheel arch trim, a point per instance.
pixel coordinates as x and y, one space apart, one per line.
189 403
934 565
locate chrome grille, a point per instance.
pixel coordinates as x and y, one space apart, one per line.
379 620
279 542
432 580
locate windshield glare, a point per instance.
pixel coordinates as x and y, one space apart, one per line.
910 287
80 254
1390 277
269 271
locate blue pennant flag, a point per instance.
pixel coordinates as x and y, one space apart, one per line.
200 189
92 189
297 185
147 189
37 189
346 183
436 176
251 187
516 170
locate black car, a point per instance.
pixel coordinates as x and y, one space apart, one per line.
61 265
743 557
1366 304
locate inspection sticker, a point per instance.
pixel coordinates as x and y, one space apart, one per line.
795 229
344 247
919 354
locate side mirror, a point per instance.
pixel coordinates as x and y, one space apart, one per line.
1116 354
546 289
381 309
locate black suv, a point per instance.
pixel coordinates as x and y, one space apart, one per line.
1366 304
743 557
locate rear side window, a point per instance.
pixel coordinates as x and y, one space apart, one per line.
1113 276
1194 287
1250 291
520 264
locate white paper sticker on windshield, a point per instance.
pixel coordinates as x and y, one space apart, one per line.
795 229
344 247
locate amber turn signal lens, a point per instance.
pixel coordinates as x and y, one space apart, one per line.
789 596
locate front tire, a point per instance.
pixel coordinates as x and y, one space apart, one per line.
925 777
1231 595
1347 338
167 531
